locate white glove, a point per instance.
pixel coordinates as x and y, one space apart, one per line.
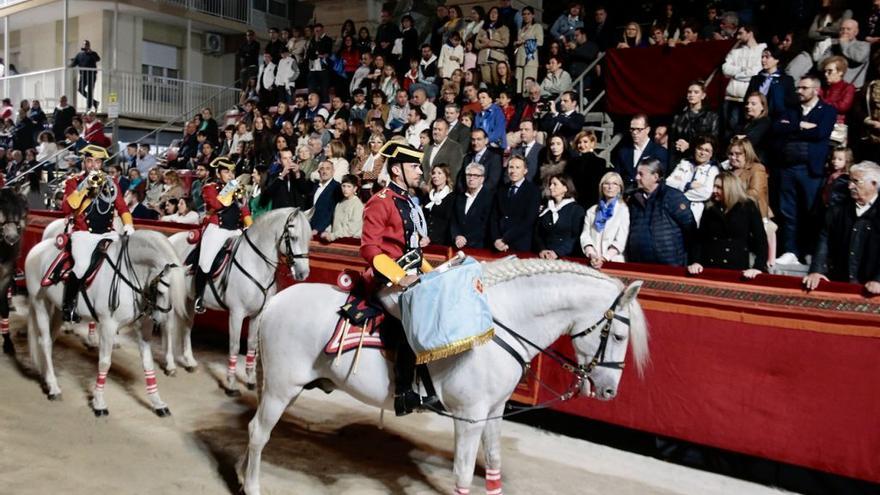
128 229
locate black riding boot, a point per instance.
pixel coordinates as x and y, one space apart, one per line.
201 282
71 294
405 399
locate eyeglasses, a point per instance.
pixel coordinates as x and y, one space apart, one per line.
473 176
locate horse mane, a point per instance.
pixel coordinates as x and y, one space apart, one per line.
507 269
12 204
158 242
504 270
270 217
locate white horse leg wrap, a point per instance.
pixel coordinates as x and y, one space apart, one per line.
101 381
461 491
92 327
4 326
250 360
233 360
150 377
493 482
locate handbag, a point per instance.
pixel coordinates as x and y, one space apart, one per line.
839 134
397 49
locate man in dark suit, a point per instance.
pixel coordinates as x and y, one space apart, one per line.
528 148
480 153
471 211
287 185
850 238
515 211
565 121
600 31
134 199
804 137
457 132
641 146
326 195
444 150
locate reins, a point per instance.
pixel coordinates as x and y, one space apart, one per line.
580 372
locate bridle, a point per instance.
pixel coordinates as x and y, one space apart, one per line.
580 371
17 225
151 291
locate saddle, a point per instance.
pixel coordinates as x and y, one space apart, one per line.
61 267
220 261
359 325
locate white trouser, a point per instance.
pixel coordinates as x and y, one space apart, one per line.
212 242
82 245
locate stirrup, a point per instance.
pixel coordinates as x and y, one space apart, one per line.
406 403
200 306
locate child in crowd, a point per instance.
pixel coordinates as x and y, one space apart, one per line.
348 216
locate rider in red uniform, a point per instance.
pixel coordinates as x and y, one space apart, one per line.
393 236
224 218
91 200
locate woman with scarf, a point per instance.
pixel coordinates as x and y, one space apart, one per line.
438 205
560 222
606 225
528 44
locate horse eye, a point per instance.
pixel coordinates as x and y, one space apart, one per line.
619 338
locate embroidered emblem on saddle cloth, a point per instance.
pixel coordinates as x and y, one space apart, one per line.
62 265
358 326
447 313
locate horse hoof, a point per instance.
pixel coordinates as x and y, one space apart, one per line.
233 393
171 372
190 369
162 412
251 386
54 397
8 347
101 412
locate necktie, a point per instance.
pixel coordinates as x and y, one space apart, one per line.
511 191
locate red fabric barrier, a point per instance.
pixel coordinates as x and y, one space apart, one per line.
653 80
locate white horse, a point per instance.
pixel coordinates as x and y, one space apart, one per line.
250 279
145 284
537 299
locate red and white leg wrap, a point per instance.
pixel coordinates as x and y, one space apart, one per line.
99 383
230 368
493 482
92 327
4 326
461 491
250 360
150 377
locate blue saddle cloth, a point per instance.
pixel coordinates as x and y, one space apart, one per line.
447 313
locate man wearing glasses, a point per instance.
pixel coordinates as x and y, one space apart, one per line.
639 147
470 217
804 136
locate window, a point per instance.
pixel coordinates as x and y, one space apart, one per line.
260 5
159 62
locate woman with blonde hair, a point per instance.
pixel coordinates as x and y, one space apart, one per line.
586 168
172 187
632 36
335 152
606 225
730 229
743 162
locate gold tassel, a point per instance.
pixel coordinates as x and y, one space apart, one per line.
454 348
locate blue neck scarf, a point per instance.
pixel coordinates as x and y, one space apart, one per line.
604 212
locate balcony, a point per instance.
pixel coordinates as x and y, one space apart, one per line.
234 10
139 96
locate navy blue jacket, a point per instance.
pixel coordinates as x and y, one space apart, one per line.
781 95
659 227
623 163
513 217
806 146
475 224
322 215
562 237
491 161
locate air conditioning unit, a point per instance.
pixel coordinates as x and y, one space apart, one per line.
213 43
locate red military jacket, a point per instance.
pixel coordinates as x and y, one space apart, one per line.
229 217
94 215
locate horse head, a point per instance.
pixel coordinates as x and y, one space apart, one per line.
294 244
601 347
13 216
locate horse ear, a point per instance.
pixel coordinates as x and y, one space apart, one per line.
630 293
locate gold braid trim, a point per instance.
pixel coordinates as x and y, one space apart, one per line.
454 348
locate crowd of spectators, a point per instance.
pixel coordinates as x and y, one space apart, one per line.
508 164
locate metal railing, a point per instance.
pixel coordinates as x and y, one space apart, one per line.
138 95
53 158
235 10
